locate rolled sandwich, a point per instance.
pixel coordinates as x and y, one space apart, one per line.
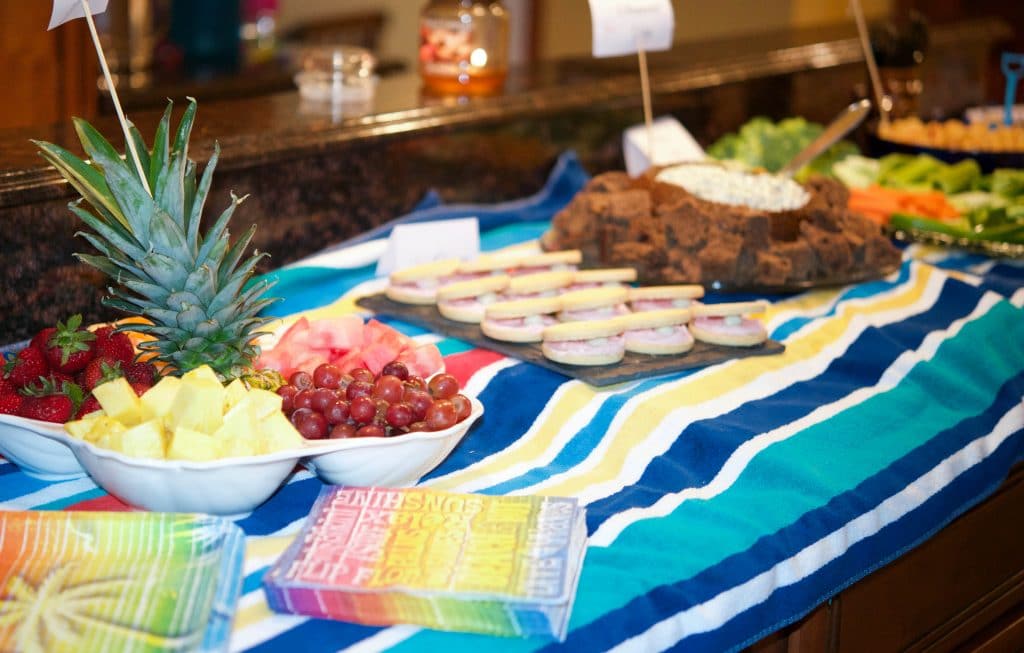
599 277
600 342
593 304
548 262
418 284
465 301
653 298
521 320
538 284
727 324
658 332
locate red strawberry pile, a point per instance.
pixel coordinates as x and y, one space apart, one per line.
52 378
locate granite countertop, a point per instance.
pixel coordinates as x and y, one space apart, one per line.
260 130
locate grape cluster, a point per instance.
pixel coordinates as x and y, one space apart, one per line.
331 404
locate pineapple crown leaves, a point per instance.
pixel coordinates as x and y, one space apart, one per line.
186 282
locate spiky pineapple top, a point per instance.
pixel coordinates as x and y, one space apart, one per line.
190 286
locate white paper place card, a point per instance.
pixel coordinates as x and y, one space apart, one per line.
423 242
65 10
624 26
672 143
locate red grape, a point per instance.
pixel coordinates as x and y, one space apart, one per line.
287 393
337 412
443 386
371 431
344 380
362 374
362 410
303 399
326 376
343 431
313 426
322 398
396 368
358 389
419 401
415 382
399 415
301 380
418 426
389 388
441 415
299 414
463 407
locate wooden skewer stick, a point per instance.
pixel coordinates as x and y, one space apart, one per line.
869 58
645 90
113 96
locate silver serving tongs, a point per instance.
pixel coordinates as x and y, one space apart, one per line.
844 123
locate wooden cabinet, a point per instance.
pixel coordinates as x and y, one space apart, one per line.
961 590
47 77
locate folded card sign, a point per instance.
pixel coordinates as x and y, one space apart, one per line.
624 26
423 242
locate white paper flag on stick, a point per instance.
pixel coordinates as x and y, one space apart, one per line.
627 26
65 10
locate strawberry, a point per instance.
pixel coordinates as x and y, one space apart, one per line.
140 387
99 370
26 367
40 339
115 345
10 403
69 349
6 387
48 408
90 405
140 372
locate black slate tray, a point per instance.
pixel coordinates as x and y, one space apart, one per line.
631 368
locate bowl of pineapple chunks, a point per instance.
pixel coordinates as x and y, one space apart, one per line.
188 444
193 444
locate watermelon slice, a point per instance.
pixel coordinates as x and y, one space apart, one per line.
422 360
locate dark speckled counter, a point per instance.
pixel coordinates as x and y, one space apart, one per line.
316 175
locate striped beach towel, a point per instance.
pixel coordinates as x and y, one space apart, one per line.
723 503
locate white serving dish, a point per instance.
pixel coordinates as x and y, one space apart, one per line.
23 442
233 486
387 462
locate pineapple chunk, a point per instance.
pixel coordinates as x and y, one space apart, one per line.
198 405
80 428
145 440
240 447
264 403
201 373
157 401
239 422
277 433
189 444
105 431
234 393
119 401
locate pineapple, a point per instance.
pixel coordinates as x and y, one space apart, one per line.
189 286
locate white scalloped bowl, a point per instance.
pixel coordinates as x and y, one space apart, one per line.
25 443
398 461
234 486
229 486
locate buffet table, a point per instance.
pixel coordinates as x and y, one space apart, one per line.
723 503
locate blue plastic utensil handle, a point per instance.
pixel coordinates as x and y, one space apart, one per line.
1013 66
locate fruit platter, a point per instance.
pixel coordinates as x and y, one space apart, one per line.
195 402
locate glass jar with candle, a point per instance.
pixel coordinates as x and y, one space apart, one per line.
463 47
